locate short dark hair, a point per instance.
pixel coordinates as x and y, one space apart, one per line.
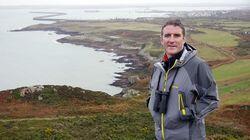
174 22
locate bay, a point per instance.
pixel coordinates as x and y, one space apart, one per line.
36 58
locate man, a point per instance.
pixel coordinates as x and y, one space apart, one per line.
183 90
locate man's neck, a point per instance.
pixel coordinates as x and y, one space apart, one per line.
177 55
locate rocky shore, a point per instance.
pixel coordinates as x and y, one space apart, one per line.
136 63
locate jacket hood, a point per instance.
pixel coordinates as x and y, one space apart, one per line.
189 53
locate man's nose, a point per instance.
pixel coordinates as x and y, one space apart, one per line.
171 39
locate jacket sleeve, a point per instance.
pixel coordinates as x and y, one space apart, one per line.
151 77
207 99
150 86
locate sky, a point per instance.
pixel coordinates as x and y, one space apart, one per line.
116 2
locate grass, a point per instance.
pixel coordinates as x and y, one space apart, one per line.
103 26
100 126
235 93
153 50
128 26
216 38
123 126
246 30
133 124
234 87
199 21
243 48
232 28
239 97
209 54
58 100
223 133
233 70
237 24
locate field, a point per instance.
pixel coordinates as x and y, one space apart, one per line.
238 24
238 69
216 38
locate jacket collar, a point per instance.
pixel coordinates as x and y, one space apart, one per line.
188 53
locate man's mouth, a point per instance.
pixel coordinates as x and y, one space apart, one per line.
172 46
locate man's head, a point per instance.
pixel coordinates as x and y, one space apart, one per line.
173 37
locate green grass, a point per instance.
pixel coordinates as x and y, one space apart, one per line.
124 126
239 97
209 54
243 48
223 133
216 38
131 126
237 24
16 94
234 70
153 50
237 91
246 30
199 21
232 28
128 26
234 87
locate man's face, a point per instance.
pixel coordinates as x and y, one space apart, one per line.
172 39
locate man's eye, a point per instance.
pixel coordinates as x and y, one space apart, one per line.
177 35
167 35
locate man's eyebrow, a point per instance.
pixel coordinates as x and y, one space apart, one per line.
175 34
171 33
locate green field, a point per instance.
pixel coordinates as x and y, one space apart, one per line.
124 126
153 50
232 28
234 87
127 26
237 24
233 71
96 127
237 98
234 82
209 54
246 30
216 38
103 26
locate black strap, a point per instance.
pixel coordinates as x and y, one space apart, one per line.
170 87
159 79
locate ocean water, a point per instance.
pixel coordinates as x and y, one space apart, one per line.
36 58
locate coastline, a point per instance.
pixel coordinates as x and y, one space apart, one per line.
133 57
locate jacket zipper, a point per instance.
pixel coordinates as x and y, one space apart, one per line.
164 90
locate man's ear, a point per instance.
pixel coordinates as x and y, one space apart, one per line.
184 39
161 39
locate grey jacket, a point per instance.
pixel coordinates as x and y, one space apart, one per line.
192 96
